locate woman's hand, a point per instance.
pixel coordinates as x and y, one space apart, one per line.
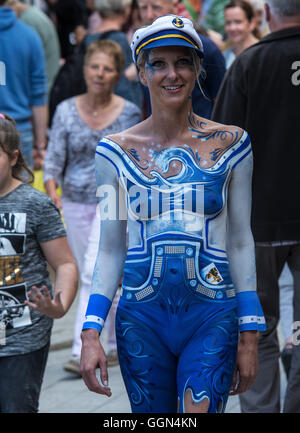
92 357
246 364
56 200
43 302
50 187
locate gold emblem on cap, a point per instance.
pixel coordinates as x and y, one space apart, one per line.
178 22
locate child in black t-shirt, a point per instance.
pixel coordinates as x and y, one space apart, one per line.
32 235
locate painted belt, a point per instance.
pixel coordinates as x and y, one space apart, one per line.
202 281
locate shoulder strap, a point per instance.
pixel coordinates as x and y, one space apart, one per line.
103 35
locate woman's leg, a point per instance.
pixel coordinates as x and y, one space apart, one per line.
88 264
79 220
148 367
206 365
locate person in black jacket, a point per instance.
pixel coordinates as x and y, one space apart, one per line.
261 93
68 14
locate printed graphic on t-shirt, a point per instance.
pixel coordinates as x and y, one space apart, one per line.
12 234
13 312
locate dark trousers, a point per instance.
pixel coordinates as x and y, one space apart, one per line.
264 395
21 379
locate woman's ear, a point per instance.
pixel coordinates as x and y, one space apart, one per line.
14 158
142 75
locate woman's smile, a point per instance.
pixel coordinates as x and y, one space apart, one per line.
173 89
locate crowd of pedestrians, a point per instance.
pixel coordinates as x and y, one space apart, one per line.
68 80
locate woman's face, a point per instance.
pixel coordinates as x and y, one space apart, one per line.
237 25
100 73
170 74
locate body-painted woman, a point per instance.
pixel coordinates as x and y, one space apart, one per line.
189 316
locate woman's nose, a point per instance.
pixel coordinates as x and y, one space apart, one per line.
231 26
172 73
100 71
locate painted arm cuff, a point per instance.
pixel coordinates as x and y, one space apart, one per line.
96 313
250 313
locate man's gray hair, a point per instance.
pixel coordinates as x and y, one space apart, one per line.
287 8
107 8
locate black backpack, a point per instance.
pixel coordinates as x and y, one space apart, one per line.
70 80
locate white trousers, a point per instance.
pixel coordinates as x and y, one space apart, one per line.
286 284
83 233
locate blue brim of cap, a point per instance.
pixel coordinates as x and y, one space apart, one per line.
165 39
172 42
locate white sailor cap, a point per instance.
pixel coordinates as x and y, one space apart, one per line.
165 31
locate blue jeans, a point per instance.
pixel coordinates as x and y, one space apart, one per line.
27 146
21 379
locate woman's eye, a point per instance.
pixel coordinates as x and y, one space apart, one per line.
184 62
157 64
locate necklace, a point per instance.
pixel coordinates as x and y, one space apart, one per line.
95 113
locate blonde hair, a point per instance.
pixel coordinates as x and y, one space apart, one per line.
10 142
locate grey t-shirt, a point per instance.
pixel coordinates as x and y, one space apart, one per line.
27 218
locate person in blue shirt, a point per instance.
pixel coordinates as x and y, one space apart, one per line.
24 95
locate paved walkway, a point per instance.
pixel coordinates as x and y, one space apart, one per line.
63 392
